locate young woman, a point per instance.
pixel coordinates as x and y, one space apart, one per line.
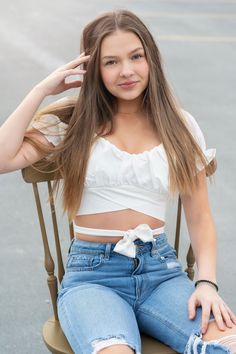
123 147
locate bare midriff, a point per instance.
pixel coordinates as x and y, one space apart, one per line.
116 220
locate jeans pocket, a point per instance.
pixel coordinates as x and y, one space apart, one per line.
84 261
169 257
167 252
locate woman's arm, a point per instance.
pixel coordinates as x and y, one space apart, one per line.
203 240
201 229
15 153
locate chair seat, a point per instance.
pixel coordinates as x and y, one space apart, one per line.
57 343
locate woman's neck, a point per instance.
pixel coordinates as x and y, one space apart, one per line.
129 108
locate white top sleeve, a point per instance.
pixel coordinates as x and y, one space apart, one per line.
199 137
51 127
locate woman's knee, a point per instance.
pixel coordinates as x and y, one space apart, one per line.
226 338
214 341
213 332
117 349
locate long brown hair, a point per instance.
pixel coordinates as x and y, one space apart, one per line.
93 113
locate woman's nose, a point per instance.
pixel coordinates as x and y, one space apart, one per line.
126 69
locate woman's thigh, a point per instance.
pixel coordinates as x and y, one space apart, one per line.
93 316
164 316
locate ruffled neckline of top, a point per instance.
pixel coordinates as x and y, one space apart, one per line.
123 153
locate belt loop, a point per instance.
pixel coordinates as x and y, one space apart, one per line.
71 243
107 250
154 250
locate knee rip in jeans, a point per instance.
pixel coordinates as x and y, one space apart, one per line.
100 344
196 345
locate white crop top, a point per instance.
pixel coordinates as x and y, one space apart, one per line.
118 180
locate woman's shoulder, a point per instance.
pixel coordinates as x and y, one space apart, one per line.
49 119
197 133
194 127
51 127
189 118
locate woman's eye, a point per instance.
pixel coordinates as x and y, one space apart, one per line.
137 56
110 62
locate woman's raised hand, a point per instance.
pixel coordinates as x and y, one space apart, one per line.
55 82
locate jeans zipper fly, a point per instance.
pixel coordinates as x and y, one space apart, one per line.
136 261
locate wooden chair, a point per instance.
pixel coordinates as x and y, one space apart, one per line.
53 336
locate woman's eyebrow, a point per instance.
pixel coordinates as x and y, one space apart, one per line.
115 56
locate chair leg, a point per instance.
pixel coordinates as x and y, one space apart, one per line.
190 263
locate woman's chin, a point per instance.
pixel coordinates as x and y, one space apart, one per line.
128 97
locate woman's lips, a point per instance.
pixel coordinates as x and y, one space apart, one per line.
128 84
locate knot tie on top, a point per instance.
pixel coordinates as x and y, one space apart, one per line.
126 245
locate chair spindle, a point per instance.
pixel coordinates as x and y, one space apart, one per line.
190 263
61 269
48 260
178 223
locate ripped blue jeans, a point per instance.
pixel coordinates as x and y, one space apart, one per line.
107 298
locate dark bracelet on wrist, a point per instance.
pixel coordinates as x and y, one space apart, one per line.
206 281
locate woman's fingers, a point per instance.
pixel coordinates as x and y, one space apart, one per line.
206 311
226 316
74 63
192 308
232 315
55 82
211 304
229 314
223 316
73 72
216 310
194 302
73 84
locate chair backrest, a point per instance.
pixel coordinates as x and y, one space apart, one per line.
33 176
